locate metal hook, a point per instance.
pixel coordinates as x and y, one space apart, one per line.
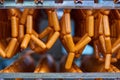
78 1
39 1
117 1
1 1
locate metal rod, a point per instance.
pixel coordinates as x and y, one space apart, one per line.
51 4
61 75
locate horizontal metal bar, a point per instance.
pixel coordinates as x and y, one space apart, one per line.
66 4
60 75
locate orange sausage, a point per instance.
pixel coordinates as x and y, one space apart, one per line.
81 39
102 43
29 24
31 11
21 32
62 24
25 41
118 54
35 33
67 10
69 42
116 45
115 48
100 25
45 32
107 61
56 25
82 43
38 42
89 12
77 68
11 47
114 60
14 12
116 42
105 11
14 26
106 25
108 45
52 40
90 25
24 16
37 70
2 53
39 50
115 68
69 61
2 45
96 50
50 21
50 35
67 23
79 52
15 49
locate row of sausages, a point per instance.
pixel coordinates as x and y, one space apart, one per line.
95 29
105 40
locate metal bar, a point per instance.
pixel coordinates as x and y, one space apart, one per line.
60 75
66 4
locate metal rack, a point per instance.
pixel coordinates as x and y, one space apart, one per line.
52 4
87 4
61 75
